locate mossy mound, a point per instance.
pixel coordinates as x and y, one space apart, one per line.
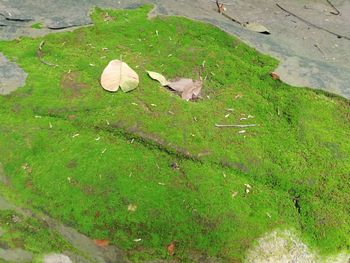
84 155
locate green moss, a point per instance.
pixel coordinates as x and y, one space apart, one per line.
37 26
299 150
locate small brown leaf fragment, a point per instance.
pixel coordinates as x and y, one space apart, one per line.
222 8
171 249
101 242
72 117
275 76
175 166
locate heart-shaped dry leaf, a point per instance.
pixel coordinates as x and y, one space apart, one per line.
119 74
256 27
159 77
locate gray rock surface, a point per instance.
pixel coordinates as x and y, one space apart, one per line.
309 56
16 255
85 244
57 258
12 76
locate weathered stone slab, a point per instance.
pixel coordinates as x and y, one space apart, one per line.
57 258
15 255
12 76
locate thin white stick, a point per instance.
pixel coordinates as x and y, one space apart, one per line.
234 125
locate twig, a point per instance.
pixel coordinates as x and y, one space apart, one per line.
228 4
311 24
234 125
221 11
337 12
232 19
319 49
220 7
40 55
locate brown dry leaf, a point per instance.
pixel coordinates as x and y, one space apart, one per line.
188 88
274 75
180 85
171 249
222 8
101 242
119 74
256 27
159 77
193 91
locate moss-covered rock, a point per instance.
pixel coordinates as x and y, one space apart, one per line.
84 155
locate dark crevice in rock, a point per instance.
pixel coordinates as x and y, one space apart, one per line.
19 19
59 27
150 141
16 19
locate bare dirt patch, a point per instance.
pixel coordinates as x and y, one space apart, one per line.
71 85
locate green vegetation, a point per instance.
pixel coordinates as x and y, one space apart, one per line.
84 155
37 26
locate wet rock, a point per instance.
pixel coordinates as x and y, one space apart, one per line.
83 243
15 255
57 23
13 14
12 76
57 258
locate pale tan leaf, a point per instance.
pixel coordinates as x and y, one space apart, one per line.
159 77
188 88
119 74
256 27
192 91
181 84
